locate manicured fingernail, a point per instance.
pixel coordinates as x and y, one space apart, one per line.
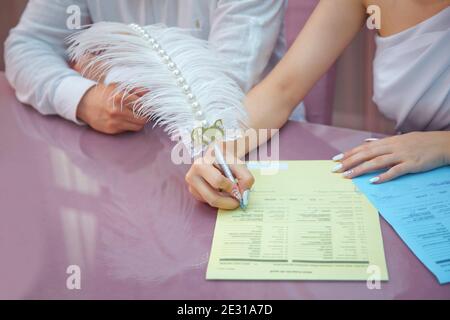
373 180
347 173
337 168
245 196
338 157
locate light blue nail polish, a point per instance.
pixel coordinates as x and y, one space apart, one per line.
373 180
337 168
245 196
338 157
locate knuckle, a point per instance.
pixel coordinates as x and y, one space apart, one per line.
345 163
366 154
195 168
352 160
369 149
188 178
110 124
363 155
364 148
219 181
112 111
395 171
376 162
251 180
117 98
111 128
416 159
213 201
197 162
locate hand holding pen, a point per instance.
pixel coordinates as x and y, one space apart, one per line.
235 192
208 182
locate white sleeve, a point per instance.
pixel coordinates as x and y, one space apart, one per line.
246 33
36 63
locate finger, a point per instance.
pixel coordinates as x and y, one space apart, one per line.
128 114
196 195
136 127
358 149
129 126
377 163
243 175
216 179
394 172
212 197
127 100
140 92
132 102
121 98
365 153
203 167
138 121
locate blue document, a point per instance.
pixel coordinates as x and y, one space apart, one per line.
418 208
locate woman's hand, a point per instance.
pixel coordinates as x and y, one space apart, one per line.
402 154
208 184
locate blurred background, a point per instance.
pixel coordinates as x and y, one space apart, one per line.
343 97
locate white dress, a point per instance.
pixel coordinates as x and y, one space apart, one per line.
412 75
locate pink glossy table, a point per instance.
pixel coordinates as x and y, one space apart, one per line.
118 208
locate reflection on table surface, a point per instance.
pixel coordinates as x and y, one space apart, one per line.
118 207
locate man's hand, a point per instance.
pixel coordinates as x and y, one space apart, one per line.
92 72
109 113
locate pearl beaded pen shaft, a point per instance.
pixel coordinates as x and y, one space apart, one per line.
227 171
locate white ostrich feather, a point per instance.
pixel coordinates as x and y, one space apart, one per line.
186 96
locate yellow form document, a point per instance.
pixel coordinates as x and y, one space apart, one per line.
302 223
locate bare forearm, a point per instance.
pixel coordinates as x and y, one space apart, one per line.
329 30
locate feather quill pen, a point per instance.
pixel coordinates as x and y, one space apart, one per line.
187 86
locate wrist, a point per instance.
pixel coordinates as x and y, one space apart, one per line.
83 106
447 148
80 114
